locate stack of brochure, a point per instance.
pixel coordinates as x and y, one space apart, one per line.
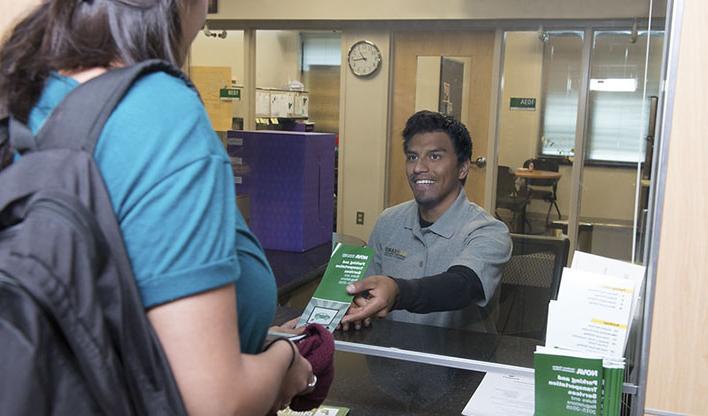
581 368
576 383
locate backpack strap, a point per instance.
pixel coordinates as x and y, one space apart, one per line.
21 137
5 149
77 122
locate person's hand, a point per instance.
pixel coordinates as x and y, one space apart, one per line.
288 327
357 304
382 293
298 380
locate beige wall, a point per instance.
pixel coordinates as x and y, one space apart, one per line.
363 131
678 360
11 11
277 58
426 9
607 193
209 51
518 130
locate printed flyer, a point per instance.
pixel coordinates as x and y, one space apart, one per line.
331 300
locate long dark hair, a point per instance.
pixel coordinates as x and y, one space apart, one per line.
79 34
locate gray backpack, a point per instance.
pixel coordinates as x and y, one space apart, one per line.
74 337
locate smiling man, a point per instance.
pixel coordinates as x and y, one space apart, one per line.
438 258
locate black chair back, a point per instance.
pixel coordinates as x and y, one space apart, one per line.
506 182
530 280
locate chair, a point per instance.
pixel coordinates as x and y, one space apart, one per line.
548 195
511 198
530 279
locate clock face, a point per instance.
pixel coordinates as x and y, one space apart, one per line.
364 58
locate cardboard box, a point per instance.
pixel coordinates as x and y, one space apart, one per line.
289 178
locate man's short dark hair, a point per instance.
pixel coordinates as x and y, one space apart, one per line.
429 122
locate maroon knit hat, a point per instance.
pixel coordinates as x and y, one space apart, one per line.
317 348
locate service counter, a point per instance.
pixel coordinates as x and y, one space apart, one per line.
398 368
375 386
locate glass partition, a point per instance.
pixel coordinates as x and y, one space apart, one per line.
562 76
518 85
623 86
542 68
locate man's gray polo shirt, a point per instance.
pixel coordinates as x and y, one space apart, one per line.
464 235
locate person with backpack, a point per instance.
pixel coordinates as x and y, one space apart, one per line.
202 277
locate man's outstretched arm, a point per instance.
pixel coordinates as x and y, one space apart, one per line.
454 289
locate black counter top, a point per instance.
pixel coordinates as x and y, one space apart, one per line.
382 386
293 269
375 386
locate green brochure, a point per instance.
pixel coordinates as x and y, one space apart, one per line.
613 370
567 383
323 410
331 301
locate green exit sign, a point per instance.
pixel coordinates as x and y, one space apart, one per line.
230 94
525 104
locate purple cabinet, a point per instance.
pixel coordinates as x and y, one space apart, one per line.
289 178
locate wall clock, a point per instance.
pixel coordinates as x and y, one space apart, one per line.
364 58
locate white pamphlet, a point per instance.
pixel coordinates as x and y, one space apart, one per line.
578 329
612 267
502 395
592 313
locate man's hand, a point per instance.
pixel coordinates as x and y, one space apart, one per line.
382 293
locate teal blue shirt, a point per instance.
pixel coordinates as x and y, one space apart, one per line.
172 190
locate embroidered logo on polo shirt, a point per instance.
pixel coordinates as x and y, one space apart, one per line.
394 252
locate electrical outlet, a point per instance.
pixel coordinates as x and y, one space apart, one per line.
360 217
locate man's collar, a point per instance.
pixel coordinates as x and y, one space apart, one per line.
447 224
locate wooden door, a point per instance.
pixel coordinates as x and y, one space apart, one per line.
408 46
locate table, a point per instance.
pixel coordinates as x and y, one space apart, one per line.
536 174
